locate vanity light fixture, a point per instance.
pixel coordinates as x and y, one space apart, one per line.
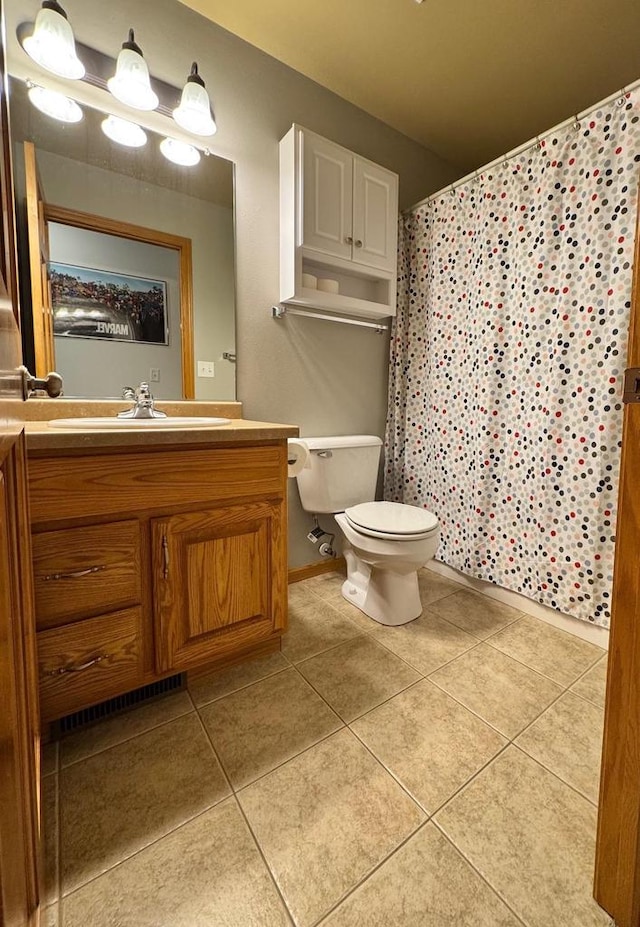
131 83
179 152
124 132
52 45
55 104
194 112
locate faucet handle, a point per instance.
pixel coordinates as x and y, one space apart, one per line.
128 392
143 391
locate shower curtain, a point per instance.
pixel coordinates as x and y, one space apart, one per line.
507 358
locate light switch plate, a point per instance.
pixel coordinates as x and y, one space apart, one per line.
206 369
154 375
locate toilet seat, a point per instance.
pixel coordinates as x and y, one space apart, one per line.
392 521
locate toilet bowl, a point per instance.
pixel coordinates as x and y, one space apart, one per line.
386 543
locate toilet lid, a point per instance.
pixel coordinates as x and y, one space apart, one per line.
392 519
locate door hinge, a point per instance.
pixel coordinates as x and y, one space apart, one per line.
631 385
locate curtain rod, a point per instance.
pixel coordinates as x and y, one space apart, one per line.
619 94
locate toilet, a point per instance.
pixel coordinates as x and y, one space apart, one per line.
386 543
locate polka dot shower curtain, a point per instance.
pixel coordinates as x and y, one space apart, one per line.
507 358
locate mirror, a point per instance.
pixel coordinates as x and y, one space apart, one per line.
139 260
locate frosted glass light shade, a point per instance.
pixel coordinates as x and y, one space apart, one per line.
131 84
194 111
55 104
179 152
52 44
124 132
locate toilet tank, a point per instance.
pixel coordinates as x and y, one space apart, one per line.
342 471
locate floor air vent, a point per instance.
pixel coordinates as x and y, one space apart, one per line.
113 706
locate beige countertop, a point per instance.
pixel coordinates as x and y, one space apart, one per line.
41 438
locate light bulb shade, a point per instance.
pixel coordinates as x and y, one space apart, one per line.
194 111
55 104
124 132
179 152
131 84
52 44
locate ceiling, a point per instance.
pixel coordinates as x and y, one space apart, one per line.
467 79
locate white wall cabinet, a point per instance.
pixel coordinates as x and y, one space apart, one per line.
338 221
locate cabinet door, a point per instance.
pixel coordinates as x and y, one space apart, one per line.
375 215
327 197
219 582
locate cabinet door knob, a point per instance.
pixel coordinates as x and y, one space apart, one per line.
348 240
358 243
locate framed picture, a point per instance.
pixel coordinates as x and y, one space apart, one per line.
99 304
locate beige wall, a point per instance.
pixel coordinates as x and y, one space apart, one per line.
325 377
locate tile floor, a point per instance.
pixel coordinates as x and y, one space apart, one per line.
443 773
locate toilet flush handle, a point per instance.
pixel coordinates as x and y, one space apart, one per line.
324 453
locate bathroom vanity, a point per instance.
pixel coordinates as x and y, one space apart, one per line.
154 553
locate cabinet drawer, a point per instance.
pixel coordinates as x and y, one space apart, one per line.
80 572
89 661
97 485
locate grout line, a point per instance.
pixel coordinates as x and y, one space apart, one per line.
480 874
556 775
147 846
270 871
162 836
369 874
245 685
152 727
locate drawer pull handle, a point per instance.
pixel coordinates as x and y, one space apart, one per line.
76 574
63 670
165 556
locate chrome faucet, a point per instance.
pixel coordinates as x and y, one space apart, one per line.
142 403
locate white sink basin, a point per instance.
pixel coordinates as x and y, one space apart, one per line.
143 424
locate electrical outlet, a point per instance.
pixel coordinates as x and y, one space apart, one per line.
206 369
154 375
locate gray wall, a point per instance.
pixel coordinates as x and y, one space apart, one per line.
325 377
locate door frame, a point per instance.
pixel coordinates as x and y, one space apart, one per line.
617 874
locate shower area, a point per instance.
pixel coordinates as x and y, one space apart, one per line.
507 360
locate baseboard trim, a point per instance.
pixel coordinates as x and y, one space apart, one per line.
582 629
296 574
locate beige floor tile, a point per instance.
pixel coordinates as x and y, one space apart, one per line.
258 728
593 684
123 727
426 883
205 689
49 916
354 614
299 593
50 828
326 819
505 693
49 758
567 739
532 837
315 627
426 643
430 743
475 613
555 653
433 586
326 584
208 873
357 676
118 801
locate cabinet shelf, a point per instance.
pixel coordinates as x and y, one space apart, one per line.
338 221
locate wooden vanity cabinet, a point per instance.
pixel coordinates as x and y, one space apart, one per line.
151 563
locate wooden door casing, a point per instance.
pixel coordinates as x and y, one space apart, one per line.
19 725
617 878
219 582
